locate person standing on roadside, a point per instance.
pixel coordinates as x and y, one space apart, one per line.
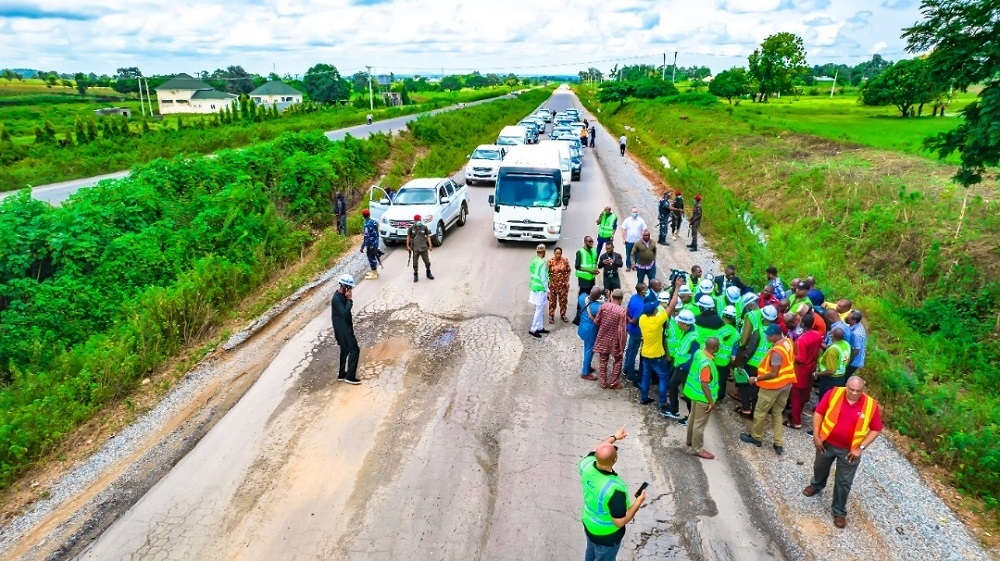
702 387
832 370
607 223
340 212
632 229
774 378
677 210
539 289
343 330
370 244
418 243
610 341
644 258
589 305
654 359
695 222
593 135
859 342
559 285
845 424
611 262
586 265
622 141
606 504
635 306
683 352
807 348
663 217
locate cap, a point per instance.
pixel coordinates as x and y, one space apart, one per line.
770 313
649 307
749 298
729 311
733 294
816 299
346 280
684 289
677 192
697 197
540 247
663 297
802 286
706 302
706 285
685 317
416 217
773 329
365 212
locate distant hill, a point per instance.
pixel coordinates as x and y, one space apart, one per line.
26 72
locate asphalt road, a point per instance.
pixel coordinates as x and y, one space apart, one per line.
56 193
462 442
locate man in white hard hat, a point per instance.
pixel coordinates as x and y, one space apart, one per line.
687 300
705 288
343 330
681 355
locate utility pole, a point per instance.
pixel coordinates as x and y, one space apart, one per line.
149 100
673 75
834 86
663 75
371 100
141 104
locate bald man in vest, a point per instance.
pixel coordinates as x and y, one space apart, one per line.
845 424
775 376
606 509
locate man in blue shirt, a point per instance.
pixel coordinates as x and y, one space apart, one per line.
633 312
859 342
774 281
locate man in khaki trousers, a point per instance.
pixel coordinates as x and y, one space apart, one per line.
775 377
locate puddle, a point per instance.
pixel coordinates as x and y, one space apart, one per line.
752 226
386 350
446 337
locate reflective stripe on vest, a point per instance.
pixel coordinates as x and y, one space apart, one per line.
762 348
588 260
786 372
692 387
606 228
837 398
673 336
598 488
682 351
728 336
537 269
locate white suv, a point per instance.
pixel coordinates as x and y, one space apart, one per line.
439 202
483 164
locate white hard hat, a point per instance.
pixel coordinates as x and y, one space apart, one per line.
706 302
346 280
706 285
733 294
686 317
663 297
684 289
729 311
770 313
749 298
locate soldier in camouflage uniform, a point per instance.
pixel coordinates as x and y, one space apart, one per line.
418 243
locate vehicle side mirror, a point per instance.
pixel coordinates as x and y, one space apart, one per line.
445 200
384 201
491 200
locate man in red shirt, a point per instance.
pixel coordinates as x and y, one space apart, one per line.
807 348
845 424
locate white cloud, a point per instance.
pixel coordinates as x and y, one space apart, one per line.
420 36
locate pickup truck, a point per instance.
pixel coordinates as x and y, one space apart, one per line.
440 202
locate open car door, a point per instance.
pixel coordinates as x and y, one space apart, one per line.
378 202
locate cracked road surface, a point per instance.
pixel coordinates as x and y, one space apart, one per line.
462 442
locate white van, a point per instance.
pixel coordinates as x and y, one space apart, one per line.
565 159
529 196
513 136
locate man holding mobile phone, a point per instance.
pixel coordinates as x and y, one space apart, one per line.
606 504
343 330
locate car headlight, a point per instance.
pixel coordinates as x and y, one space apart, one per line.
555 229
499 227
385 220
428 219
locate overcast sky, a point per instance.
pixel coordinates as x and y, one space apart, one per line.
426 36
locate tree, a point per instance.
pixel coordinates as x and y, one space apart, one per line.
126 80
451 83
730 83
10 75
776 63
81 132
359 81
235 80
611 92
323 83
91 129
904 84
651 88
963 37
51 79
476 80
82 82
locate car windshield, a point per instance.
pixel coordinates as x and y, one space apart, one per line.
486 155
527 190
507 141
415 197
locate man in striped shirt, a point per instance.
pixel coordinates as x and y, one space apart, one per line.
859 342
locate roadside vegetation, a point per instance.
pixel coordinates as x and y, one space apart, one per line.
96 294
917 253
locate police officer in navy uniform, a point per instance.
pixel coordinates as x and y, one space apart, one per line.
663 217
418 243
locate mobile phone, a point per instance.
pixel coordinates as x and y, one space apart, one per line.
641 489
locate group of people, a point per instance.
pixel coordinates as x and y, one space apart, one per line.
688 336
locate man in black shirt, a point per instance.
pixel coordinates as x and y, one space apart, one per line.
724 281
663 218
606 509
611 262
678 214
343 330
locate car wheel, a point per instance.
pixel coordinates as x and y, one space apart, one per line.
463 216
469 182
438 238
388 242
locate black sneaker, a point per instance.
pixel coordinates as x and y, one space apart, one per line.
415 278
751 440
646 401
544 331
351 382
670 415
779 450
683 422
535 334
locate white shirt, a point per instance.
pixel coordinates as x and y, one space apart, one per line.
622 139
633 228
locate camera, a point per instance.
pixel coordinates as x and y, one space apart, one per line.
675 274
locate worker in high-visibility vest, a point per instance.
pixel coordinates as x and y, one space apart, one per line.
607 224
607 507
774 378
845 424
538 288
701 387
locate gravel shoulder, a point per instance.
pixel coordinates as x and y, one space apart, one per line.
892 514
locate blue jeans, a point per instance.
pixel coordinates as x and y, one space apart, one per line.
628 254
588 332
600 244
601 552
634 341
645 275
659 367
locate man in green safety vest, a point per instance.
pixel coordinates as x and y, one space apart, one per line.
728 339
538 287
606 505
753 348
586 265
682 355
701 387
607 225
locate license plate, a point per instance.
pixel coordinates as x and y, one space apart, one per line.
400 232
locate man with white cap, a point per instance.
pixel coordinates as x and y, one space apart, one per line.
730 297
539 290
681 355
705 288
774 378
687 300
343 330
752 352
728 337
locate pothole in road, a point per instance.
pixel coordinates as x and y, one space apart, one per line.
446 337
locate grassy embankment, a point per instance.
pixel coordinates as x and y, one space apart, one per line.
23 161
918 254
96 294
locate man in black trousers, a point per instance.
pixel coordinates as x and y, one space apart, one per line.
343 330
